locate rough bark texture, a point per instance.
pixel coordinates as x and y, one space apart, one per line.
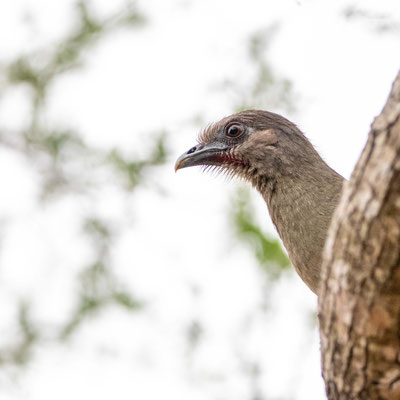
359 302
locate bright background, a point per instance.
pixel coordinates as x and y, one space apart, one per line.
120 279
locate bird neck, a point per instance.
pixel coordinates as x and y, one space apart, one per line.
301 206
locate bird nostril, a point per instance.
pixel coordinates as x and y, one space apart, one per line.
192 150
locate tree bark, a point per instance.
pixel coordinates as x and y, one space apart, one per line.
359 302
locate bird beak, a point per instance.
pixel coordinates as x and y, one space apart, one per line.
200 155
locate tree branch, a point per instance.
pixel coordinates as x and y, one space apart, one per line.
359 303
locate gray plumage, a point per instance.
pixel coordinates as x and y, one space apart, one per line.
300 189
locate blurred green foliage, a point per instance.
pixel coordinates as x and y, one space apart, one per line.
131 170
379 22
40 68
268 250
266 90
55 147
52 150
98 286
20 351
66 163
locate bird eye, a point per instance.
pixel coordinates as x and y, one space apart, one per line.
234 130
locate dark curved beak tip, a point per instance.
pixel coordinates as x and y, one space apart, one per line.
183 160
201 154
178 163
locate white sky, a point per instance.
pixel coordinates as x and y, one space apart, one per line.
161 76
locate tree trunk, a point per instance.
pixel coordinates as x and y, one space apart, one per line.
359 302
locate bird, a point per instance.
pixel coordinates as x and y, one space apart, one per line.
299 188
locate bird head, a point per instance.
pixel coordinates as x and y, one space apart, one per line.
251 144
300 189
